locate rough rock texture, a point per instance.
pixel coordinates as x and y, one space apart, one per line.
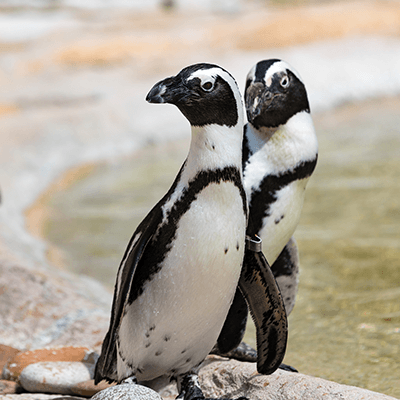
51 308
232 379
218 377
6 353
127 392
8 387
36 396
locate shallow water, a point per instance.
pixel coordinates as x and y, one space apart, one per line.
346 322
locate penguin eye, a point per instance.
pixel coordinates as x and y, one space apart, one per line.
285 81
207 86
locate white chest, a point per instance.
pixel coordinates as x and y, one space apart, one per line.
284 215
278 155
174 324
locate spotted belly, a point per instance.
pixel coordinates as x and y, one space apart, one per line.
172 326
282 219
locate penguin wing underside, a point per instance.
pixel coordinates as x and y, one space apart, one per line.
106 366
258 286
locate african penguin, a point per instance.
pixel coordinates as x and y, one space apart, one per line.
280 152
179 273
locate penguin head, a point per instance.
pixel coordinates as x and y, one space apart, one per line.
274 93
205 94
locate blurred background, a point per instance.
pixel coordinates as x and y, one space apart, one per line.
83 157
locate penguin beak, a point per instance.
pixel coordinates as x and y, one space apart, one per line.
169 90
258 98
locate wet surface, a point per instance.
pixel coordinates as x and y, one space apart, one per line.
346 322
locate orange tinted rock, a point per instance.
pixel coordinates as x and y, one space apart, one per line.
16 364
88 388
6 352
8 387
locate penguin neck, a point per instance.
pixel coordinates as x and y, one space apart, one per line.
258 137
214 146
286 145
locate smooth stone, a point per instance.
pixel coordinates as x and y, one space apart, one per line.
21 360
127 391
88 388
55 377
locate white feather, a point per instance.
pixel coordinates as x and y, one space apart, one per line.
188 299
275 154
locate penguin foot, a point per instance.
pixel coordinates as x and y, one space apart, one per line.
190 389
246 353
288 368
243 352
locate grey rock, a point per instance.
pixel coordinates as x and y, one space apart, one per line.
32 396
55 377
127 391
232 379
49 309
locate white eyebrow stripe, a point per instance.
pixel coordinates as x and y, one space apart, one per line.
201 75
280 66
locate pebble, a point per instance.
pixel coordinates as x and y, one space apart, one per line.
19 361
127 391
55 377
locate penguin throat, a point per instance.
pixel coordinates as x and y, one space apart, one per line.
265 132
215 146
259 137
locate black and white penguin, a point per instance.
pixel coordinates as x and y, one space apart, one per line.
180 271
280 151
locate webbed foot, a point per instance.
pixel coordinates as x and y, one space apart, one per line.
288 368
246 353
243 352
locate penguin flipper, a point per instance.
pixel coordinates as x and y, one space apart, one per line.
106 366
267 309
286 272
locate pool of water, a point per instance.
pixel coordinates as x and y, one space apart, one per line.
346 323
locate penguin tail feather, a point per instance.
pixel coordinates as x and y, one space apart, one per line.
106 365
